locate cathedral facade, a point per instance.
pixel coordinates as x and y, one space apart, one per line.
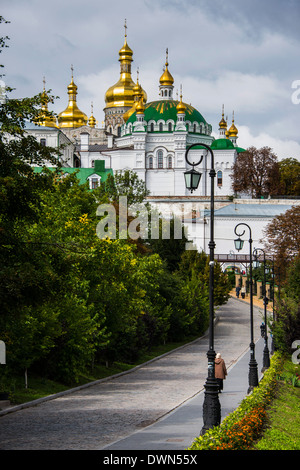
149 138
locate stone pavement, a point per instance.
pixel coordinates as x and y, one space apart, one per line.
103 414
257 302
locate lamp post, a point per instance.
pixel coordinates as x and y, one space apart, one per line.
273 305
211 405
253 372
266 356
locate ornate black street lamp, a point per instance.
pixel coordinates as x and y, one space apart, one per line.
253 372
211 405
266 355
273 306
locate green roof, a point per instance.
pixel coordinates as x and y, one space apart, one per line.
166 109
84 173
225 144
222 144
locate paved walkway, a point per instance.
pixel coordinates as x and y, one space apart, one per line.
104 415
257 302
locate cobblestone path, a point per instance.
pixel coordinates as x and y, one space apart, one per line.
95 416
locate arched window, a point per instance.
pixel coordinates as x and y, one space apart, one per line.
160 127
43 142
119 131
160 159
152 127
93 163
76 162
170 127
169 161
195 128
151 162
219 178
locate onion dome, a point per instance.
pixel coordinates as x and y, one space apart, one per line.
72 116
138 95
44 118
140 108
223 123
166 79
121 94
232 132
181 106
92 121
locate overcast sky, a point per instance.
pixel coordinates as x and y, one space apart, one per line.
243 54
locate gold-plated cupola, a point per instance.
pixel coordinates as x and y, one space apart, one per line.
72 116
138 96
166 82
92 121
45 118
122 93
166 79
232 131
223 123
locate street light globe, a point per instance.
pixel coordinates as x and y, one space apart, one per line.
238 243
192 179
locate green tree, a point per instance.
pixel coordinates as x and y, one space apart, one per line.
124 183
289 170
195 263
169 248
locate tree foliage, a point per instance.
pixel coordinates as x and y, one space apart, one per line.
282 238
289 169
282 242
286 328
124 183
256 172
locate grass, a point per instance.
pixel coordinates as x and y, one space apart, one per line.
283 426
39 387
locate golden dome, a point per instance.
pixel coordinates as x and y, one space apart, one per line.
140 108
232 132
181 108
138 95
122 93
44 118
223 123
72 116
92 121
166 79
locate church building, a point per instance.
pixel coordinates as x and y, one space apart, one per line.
149 138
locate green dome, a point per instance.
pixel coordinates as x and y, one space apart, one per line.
222 144
166 110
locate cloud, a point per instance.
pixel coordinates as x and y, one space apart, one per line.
283 148
245 57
